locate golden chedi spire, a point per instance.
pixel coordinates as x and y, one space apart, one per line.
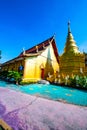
70 46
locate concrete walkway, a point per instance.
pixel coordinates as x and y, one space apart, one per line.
25 112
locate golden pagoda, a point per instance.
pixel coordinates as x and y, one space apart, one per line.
72 61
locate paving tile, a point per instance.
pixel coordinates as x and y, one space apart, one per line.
26 112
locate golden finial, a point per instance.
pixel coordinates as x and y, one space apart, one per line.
68 22
69 30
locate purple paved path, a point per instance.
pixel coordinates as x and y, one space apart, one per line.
25 112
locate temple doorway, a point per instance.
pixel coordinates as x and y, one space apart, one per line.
42 73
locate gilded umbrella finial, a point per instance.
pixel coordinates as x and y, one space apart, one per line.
69 30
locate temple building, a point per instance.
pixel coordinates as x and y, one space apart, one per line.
43 61
72 61
37 62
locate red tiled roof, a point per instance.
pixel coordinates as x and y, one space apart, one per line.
32 51
41 48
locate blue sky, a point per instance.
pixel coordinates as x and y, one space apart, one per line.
25 23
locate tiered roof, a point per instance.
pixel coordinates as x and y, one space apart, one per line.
36 50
